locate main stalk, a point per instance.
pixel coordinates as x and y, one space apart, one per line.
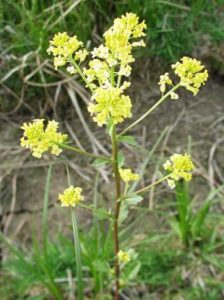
117 209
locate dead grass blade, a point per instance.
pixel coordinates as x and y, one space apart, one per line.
91 136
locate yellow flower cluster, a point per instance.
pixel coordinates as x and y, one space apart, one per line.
179 166
192 73
127 175
117 51
110 61
71 196
63 47
39 139
110 102
120 38
123 256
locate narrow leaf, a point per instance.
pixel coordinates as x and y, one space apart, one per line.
121 159
128 139
100 162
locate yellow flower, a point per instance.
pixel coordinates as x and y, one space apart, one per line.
63 47
192 73
98 71
174 96
127 175
112 103
164 79
40 140
123 256
71 70
125 70
100 52
81 55
179 166
71 196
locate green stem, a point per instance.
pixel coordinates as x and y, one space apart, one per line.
153 184
112 76
81 151
78 256
119 81
117 209
81 73
150 110
45 210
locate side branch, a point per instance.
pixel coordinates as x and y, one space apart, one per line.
150 110
82 152
145 189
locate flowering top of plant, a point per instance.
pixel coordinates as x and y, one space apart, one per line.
179 166
39 139
109 62
127 175
71 196
63 47
191 73
123 256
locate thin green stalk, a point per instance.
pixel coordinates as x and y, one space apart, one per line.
77 247
112 76
81 73
119 81
143 190
150 110
78 255
117 209
81 151
45 210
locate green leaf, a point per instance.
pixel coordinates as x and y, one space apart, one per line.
100 162
121 159
134 272
199 220
109 129
101 213
133 199
123 213
176 227
128 139
101 265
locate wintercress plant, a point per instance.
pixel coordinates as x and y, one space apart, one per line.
105 71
